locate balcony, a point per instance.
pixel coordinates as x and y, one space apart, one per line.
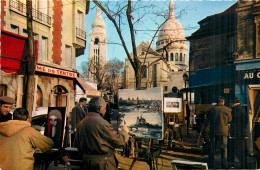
80 34
80 43
20 8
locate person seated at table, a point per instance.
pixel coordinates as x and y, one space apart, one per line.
19 141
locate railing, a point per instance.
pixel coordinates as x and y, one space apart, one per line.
37 15
80 33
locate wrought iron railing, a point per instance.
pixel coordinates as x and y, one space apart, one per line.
80 33
20 7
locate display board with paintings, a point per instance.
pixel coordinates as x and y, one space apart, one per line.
141 112
55 128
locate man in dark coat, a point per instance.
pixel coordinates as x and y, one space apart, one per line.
96 139
239 126
6 104
79 112
222 117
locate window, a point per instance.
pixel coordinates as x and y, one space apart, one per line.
165 88
144 70
15 29
176 57
171 56
96 41
3 90
68 57
44 49
180 56
25 32
80 20
167 57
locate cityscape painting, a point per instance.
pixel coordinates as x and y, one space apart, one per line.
141 112
172 104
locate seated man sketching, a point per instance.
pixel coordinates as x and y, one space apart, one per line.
96 139
19 141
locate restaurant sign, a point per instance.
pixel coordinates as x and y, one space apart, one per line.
55 71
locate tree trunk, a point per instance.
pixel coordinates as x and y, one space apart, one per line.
29 81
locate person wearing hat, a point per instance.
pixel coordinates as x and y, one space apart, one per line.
6 104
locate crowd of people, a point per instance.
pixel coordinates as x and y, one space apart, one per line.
96 139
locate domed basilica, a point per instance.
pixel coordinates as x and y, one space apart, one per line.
166 73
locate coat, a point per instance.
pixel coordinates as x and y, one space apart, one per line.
222 118
96 136
239 122
4 118
77 115
18 142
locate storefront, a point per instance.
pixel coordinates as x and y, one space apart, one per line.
209 84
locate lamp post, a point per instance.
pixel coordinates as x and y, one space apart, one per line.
186 78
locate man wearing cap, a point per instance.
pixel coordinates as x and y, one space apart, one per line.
6 104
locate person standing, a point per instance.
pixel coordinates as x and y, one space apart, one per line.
19 141
96 139
240 127
6 104
79 112
222 117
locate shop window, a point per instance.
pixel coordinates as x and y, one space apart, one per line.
58 96
3 90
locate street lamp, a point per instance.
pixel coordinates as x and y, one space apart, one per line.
186 78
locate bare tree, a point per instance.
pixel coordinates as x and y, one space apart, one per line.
114 72
128 9
107 76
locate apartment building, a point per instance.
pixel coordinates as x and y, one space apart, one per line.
59 36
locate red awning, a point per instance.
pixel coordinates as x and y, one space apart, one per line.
89 90
14 48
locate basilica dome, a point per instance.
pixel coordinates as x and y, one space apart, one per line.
171 30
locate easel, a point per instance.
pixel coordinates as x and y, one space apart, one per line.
171 120
150 157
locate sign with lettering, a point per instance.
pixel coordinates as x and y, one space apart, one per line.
55 71
252 75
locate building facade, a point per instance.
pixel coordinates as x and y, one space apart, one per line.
59 34
211 66
167 72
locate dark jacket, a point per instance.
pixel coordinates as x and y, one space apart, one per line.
222 118
4 118
77 115
96 136
239 122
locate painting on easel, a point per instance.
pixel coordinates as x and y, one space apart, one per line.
141 112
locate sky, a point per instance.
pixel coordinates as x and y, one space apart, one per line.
195 10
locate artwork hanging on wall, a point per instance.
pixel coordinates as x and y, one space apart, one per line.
141 111
172 105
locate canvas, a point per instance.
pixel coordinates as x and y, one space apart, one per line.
56 125
172 105
141 112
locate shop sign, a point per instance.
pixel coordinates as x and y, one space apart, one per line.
55 71
252 75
